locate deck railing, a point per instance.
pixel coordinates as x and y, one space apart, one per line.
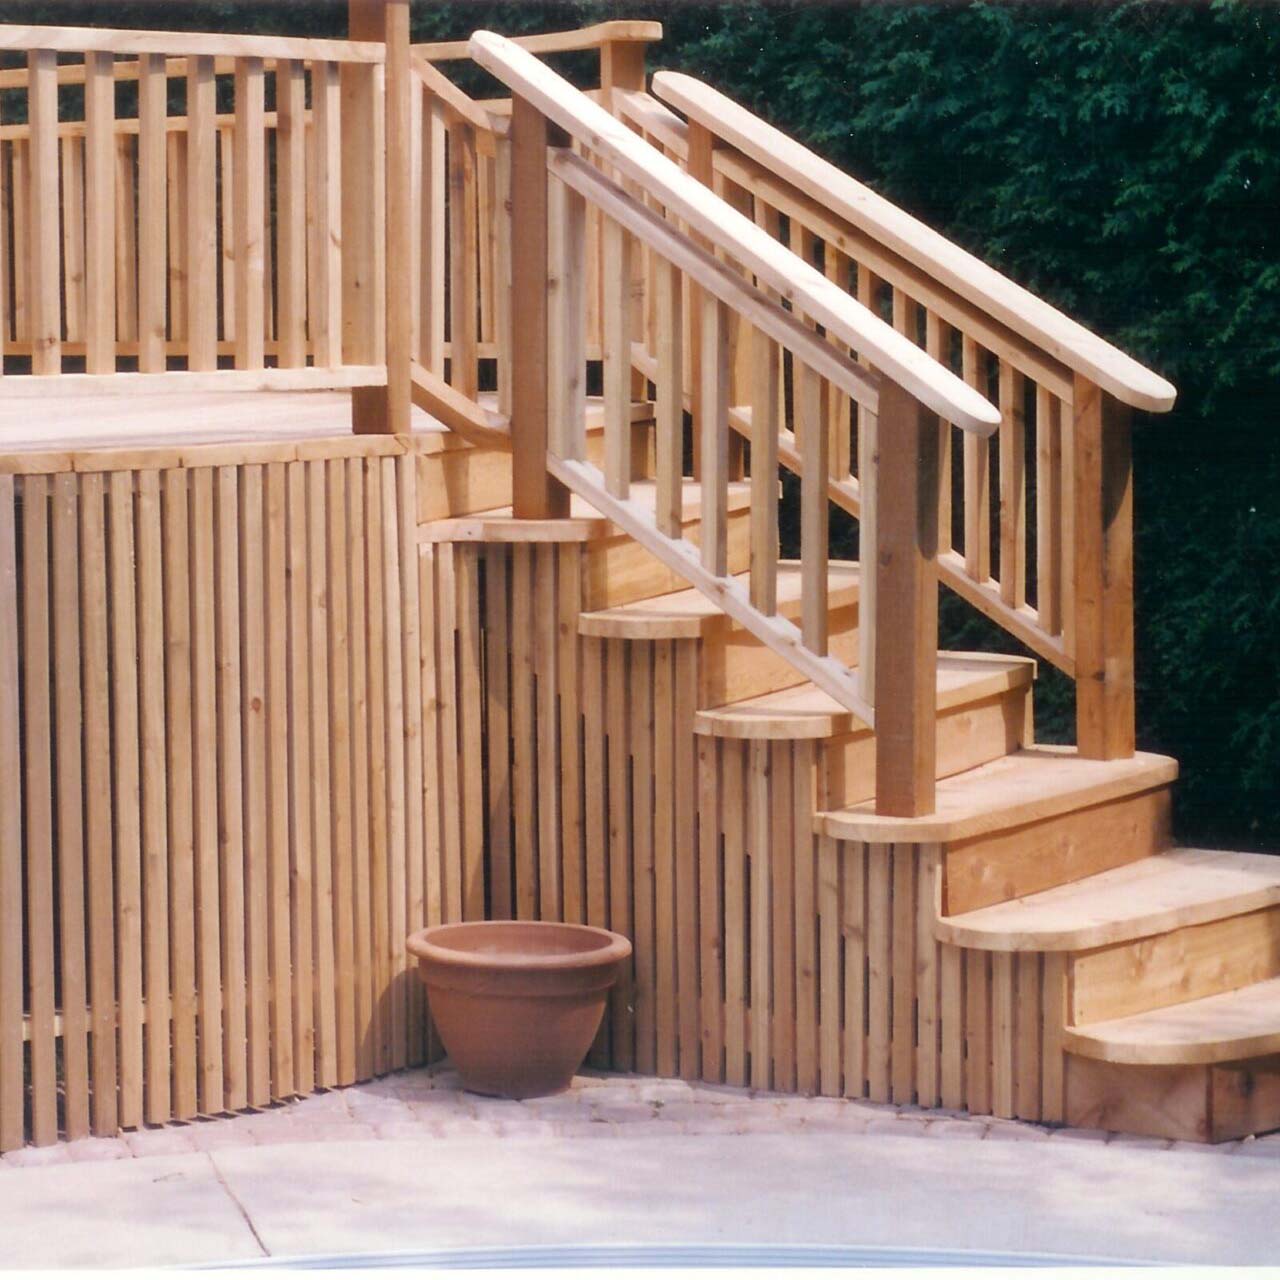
1061 584
709 251
177 202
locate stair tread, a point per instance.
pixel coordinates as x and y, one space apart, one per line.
688 614
1030 785
1152 895
805 711
1229 1027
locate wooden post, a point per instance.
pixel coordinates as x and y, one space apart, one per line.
535 494
906 605
1103 574
377 217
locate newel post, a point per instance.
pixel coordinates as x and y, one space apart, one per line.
377 212
906 605
1102 443
536 494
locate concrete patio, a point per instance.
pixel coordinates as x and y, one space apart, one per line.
413 1163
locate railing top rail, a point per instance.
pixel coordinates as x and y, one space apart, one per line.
458 104
190 44
616 32
795 280
1058 335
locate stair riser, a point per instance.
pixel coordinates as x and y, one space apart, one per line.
618 570
1013 863
736 665
643 463
457 482
1188 1104
1172 968
968 736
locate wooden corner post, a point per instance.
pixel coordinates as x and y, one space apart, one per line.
906 606
536 494
1103 574
377 275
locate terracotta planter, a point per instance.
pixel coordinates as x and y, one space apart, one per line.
518 1003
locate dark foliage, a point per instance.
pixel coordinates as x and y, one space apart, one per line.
1122 160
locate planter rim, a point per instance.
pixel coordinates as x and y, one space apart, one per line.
432 944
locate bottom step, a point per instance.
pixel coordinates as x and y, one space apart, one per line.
1217 1103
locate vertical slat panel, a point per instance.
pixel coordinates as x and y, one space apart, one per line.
202 217
12 1128
761 957
342 922
806 919
782 857
977 1032
595 792
126 794
615 263
621 1023
686 703
641 821
463 261
733 761
569 591
1053 1100
711 946
155 817
714 434
903 926
669 409
98 815
927 977
230 756
1028 990
153 108
524 749
1013 487
302 777
65 565
450 774
325 222
44 297
550 775
977 475
829 978
180 715
853 926
432 766
470 729
951 981
252 712
498 735
664 839
37 807
879 921
278 799
1003 1033
765 375
249 212
100 239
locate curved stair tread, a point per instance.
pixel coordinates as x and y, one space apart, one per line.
1030 785
805 711
1230 1027
1153 895
689 614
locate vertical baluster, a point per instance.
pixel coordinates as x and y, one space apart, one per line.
100 226
714 433
937 341
432 238
1013 487
839 406
1049 511
977 476
202 226
485 180
291 213
153 107
326 216
615 265
463 260
868 517
126 239
567 391
363 206
669 410
73 230
20 201
502 265
766 372
176 223
45 298
815 468
250 147
227 224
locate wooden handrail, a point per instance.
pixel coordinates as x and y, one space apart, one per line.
1058 335
186 44
594 37
797 282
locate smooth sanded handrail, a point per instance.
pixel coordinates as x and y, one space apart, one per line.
189 44
820 299
1058 335
615 32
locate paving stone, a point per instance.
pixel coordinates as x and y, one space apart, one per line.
160 1142
566 1106
36 1157
1080 1135
1137 1142
624 1112
897 1126
378 1109
86 1149
1012 1131
583 1129
212 1135
320 1103
974 1130
664 1091
442 1106
406 1131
